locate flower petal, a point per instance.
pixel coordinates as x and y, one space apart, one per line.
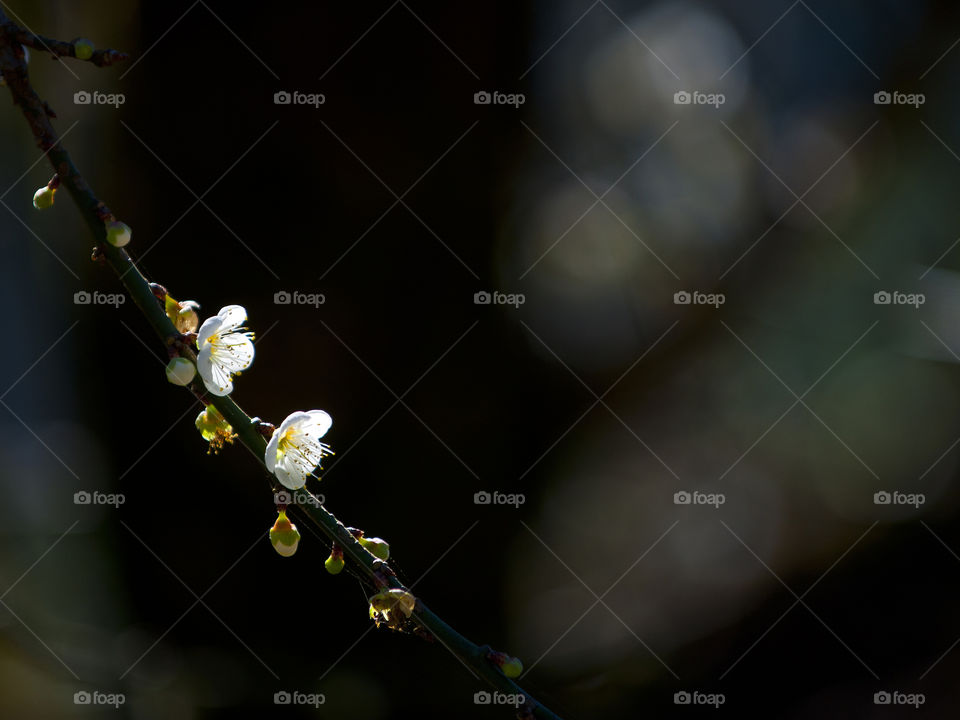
233 316
234 351
270 455
215 378
320 421
292 419
211 326
291 478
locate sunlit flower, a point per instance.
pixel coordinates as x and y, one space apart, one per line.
225 350
295 450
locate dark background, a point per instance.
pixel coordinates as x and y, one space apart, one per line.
502 398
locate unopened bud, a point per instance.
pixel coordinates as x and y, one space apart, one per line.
334 563
118 233
180 371
43 198
376 546
82 49
284 536
512 668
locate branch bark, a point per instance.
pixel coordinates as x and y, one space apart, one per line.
94 212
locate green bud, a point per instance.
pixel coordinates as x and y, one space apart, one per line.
376 546
334 564
180 371
83 49
284 536
512 667
43 198
118 233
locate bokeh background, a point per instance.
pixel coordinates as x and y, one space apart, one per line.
598 198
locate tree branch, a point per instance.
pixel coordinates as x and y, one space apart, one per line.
95 213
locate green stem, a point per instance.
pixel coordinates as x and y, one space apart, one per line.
37 114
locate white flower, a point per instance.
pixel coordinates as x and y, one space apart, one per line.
295 450
224 350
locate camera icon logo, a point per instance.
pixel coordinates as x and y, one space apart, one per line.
482 298
81 697
881 297
282 297
282 97
682 498
882 698
882 498
282 698
482 98
82 498
882 98
82 97
482 698
682 97
482 498
682 298
282 498
681 698
82 298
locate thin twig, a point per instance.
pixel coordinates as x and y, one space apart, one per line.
375 571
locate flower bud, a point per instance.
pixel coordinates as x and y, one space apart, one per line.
118 233
43 198
284 536
376 546
82 49
334 563
180 371
512 667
